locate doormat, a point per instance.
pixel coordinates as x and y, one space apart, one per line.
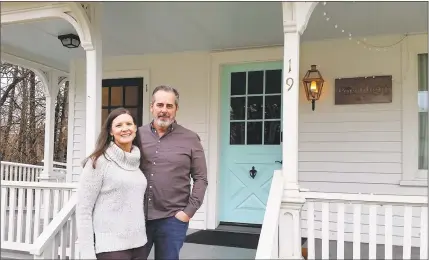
223 238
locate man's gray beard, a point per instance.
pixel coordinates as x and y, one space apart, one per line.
163 124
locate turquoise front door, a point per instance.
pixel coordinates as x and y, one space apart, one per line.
250 139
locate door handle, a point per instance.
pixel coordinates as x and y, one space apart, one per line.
281 162
253 172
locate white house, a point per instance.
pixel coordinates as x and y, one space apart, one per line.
365 144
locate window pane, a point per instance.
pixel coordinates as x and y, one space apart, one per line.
116 96
236 135
254 132
423 111
237 108
131 96
105 98
423 140
104 115
272 132
273 107
255 83
254 107
134 113
238 83
423 72
273 81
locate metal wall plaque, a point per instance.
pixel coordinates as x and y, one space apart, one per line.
363 90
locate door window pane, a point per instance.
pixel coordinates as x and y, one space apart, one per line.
134 113
105 98
254 107
254 132
116 96
238 83
273 81
104 114
255 81
236 135
273 107
131 96
237 110
272 132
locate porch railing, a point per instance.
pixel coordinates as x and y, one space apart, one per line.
27 208
58 240
268 244
11 171
332 216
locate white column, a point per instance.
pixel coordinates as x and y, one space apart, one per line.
48 155
291 85
292 202
93 82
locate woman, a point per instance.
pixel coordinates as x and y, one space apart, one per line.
110 212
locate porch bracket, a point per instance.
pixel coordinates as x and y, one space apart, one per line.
80 17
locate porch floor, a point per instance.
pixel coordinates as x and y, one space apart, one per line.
197 251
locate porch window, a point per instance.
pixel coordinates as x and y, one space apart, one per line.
423 114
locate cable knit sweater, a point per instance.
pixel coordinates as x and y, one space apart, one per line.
110 203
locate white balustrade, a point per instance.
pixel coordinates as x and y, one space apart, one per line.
11 171
364 218
268 244
27 208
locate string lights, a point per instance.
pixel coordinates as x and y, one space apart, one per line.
363 42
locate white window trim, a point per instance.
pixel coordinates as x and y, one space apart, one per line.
411 175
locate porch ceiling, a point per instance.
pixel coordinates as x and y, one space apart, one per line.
160 27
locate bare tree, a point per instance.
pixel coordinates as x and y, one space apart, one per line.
22 117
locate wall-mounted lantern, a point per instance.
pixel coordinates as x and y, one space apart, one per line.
70 40
313 84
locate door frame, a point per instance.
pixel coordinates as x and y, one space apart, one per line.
120 74
217 60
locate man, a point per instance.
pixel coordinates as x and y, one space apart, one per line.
171 155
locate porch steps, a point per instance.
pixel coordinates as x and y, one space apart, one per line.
7 254
239 229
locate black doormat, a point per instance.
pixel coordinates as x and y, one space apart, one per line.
223 238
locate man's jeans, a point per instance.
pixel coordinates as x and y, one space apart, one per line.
168 235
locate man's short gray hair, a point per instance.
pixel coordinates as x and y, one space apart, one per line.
166 89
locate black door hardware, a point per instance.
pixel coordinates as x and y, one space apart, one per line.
253 172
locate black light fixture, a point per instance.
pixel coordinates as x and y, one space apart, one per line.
70 41
313 83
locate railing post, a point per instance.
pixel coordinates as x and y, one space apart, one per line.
51 96
290 228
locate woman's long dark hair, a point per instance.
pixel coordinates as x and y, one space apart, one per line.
104 138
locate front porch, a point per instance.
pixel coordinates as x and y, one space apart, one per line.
329 155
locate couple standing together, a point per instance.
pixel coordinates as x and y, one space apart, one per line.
135 189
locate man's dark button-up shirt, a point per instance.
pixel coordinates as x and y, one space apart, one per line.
168 163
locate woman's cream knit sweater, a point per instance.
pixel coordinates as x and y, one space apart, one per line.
110 203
